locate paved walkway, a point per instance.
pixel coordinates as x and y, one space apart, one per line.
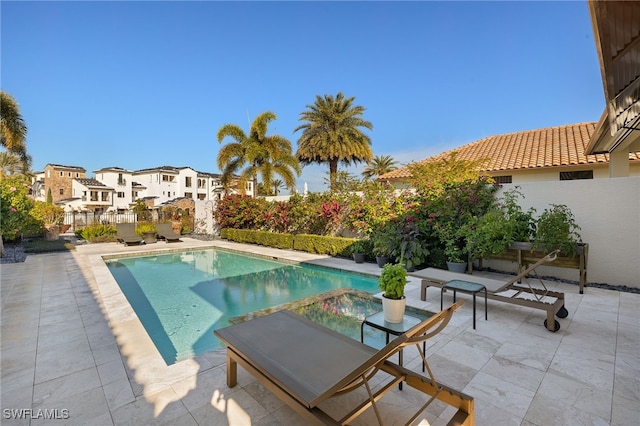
73 349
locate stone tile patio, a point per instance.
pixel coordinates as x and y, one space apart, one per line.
73 349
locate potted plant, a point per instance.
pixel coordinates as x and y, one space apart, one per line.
51 217
147 231
491 234
557 230
392 281
382 240
359 250
455 247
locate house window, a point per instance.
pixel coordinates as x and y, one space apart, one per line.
201 196
503 179
61 191
77 174
188 195
120 194
69 174
187 181
578 174
61 174
167 178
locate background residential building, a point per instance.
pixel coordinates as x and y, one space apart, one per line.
115 189
549 154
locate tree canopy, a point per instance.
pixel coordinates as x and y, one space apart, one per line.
379 165
256 153
13 130
332 134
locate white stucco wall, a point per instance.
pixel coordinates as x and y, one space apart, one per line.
608 212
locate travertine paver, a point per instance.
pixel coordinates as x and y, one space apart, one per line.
72 348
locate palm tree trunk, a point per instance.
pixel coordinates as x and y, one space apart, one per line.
255 186
333 173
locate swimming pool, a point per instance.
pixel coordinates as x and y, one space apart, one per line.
341 310
180 298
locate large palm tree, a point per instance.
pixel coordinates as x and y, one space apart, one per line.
13 130
380 165
261 154
10 164
332 134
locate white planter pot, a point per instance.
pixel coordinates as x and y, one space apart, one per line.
393 309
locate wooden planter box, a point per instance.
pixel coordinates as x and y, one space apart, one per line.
521 253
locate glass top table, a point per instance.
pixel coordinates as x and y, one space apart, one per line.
465 287
377 321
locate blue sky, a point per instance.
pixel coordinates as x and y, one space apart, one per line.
144 84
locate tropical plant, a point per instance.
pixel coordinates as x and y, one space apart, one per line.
524 223
145 227
98 233
408 246
262 154
557 230
332 213
47 214
11 165
344 182
383 239
276 186
15 205
377 204
142 211
505 223
13 130
491 234
332 134
240 212
379 165
435 176
361 246
453 207
393 280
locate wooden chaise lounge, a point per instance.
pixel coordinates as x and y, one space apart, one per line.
512 291
305 364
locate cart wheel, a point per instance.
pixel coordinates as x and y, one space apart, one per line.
556 326
562 313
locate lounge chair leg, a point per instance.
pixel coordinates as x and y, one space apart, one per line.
232 371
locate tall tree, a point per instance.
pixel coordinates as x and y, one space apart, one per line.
332 134
380 165
10 164
13 130
276 185
262 154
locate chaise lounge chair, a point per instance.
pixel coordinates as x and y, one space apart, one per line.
305 364
512 291
127 234
166 233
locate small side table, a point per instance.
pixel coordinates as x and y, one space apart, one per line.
466 287
377 321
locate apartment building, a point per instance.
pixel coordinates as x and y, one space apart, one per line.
117 189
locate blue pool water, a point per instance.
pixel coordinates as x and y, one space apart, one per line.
180 298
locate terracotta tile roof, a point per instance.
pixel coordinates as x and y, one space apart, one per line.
531 149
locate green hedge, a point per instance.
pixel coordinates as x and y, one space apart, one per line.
334 246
